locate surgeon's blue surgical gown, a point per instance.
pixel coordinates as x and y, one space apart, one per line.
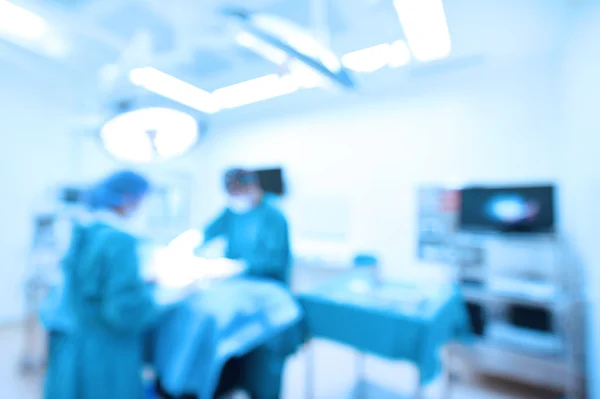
259 238
97 320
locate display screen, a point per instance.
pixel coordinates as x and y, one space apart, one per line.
271 180
71 195
508 209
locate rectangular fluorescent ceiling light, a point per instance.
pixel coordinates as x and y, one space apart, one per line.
424 24
18 22
374 58
29 30
255 90
266 87
175 89
367 60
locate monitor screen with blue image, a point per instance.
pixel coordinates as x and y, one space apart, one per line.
522 209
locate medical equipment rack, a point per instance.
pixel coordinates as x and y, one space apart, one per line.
551 358
43 272
502 275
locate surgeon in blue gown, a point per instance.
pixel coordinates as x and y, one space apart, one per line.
97 321
257 234
255 230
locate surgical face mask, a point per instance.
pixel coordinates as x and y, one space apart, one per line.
136 218
240 204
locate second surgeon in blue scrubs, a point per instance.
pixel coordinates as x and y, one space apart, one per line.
255 230
98 319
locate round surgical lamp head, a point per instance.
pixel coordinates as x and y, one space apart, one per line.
285 43
150 134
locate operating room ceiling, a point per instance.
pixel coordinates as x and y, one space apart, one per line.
187 38
187 34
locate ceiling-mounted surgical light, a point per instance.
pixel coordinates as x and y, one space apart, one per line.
374 58
299 76
367 60
150 134
305 76
424 24
399 54
284 43
255 90
175 89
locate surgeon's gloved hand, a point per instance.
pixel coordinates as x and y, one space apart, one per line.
199 250
187 242
168 295
213 249
223 268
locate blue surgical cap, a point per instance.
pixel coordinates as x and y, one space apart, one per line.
117 189
237 178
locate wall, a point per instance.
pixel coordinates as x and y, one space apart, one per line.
35 156
485 123
580 174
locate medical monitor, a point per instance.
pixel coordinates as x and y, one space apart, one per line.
271 180
517 209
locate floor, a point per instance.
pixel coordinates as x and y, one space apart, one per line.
334 376
335 373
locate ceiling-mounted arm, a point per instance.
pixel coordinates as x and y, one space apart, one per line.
138 53
85 23
319 16
196 25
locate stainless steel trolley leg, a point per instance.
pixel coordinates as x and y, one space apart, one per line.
419 390
360 376
29 361
448 375
309 371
